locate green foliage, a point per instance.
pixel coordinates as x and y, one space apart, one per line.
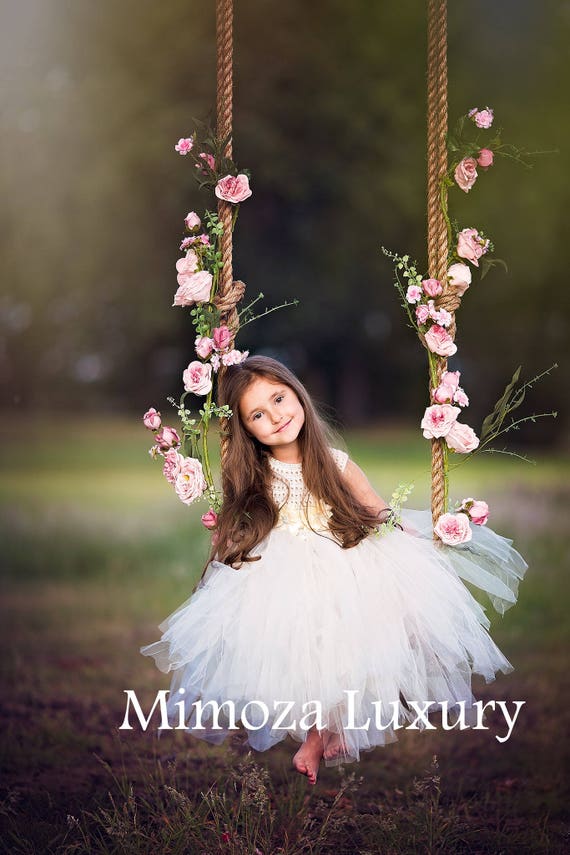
510 400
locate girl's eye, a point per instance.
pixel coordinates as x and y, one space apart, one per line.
256 416
279 398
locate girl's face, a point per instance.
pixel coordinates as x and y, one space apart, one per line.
272 413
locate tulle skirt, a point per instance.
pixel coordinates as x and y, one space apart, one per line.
342 638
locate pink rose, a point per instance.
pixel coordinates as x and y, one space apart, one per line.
413 294
234 357
459 275
485 158
166 438
204 239
444 318
210 519
451 378
187 243
151 419
187 265
194 288
432 287
443 394
466 173
172 465
222 337
215 361
482 118
190 482
453 529
471 245
461 398
183 146
233 188
209 159
197 378
477 510
438 420
462 438
439 316
192 221
439 341
422 313
203 346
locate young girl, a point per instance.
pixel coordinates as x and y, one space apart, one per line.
308 601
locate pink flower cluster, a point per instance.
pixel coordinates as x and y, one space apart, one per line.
194 285
209 163
217 348
193 224
440 422
482 118
185 473
453 529
465 173
471 245
437 338
449 390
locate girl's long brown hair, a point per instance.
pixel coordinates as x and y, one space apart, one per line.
248 511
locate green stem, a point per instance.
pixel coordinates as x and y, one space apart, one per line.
432 362
445 476
432 369
443 200
205 451
268 312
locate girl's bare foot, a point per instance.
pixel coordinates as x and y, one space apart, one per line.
334 745
307 759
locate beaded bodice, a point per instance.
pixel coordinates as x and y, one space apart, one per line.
298 510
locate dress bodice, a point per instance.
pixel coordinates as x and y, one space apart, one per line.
298 510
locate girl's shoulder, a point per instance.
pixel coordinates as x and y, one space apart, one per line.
340 457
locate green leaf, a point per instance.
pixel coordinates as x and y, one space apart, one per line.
486 265
494 420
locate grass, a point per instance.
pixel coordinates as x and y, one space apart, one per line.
97 550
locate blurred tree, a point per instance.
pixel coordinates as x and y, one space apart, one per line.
330 117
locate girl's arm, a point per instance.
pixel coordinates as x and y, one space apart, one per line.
362 490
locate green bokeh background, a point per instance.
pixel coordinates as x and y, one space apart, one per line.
330 118
96 549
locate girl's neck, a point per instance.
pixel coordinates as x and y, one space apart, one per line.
287 453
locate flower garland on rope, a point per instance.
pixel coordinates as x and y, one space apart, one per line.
186 458
422 300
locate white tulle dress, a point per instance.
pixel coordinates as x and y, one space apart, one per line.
389 620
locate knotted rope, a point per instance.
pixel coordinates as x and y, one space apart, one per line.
229 292
437 241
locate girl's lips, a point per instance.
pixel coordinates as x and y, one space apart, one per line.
284 426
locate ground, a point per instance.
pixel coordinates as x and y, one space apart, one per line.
97 550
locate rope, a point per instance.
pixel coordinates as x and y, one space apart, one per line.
229 292
437 229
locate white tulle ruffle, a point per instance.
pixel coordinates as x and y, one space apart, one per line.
387 620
